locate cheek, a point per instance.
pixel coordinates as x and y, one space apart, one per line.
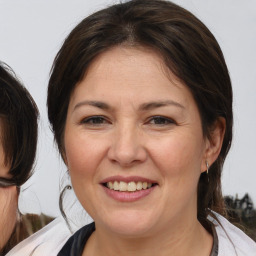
179 161
82 157
180 155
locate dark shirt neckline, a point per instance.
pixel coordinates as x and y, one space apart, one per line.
75 244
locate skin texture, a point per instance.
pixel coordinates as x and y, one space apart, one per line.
130 139
8 204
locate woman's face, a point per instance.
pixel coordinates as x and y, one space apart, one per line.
8 204
134 145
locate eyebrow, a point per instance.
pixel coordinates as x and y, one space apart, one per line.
4 182
159 104
97 104
142 107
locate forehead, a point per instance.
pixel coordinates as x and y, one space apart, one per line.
129 71
1 129
123 61
3 168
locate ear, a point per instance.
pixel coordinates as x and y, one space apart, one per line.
214 143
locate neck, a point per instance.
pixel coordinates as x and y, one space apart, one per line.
179 240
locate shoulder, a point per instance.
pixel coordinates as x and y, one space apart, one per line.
47 241
76 242
232 241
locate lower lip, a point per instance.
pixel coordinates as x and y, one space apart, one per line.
128 196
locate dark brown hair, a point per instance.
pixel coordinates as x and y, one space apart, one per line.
18 136
187 48
18 120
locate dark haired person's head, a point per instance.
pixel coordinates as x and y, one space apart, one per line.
18 142
188 51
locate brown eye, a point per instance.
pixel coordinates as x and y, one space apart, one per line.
94 120
160 120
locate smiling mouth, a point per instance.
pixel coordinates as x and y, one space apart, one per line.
131 186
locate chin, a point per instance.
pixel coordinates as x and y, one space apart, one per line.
130 224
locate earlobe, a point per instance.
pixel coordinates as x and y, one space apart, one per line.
214 143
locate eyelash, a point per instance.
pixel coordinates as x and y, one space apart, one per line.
91 120
154 120
160 119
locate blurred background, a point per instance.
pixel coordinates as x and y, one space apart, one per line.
31 33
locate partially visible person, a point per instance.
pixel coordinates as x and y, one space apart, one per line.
18 142
140 104
8 205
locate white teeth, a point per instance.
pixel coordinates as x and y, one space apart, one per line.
139 185
130 186
110 185
116 185
123 186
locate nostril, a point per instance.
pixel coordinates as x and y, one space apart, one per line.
126 151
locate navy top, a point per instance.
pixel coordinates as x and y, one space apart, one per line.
75 244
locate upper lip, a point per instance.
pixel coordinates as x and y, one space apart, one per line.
127 179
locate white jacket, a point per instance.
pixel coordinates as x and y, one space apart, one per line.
50 239
46 242
232 241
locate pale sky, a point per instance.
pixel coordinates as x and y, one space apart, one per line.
31 33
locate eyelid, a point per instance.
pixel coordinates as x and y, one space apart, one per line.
168 119
86 120
89 120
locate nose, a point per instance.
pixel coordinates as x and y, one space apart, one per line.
127 147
